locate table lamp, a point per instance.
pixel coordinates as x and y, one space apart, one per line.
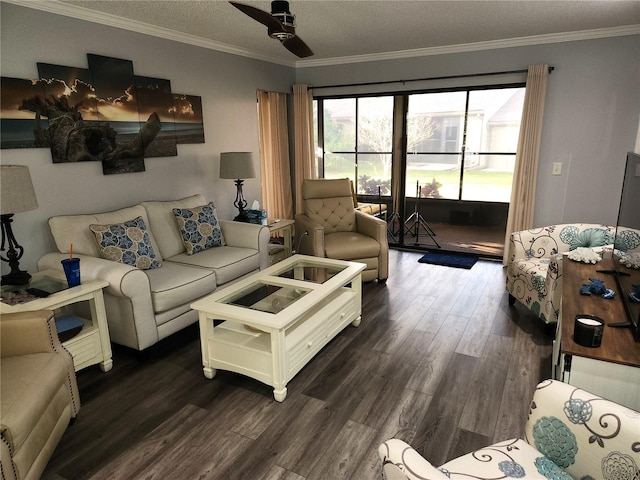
16 195
237 166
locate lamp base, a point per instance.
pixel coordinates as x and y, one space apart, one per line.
16 277
13 254
241 217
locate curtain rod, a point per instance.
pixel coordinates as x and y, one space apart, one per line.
448 77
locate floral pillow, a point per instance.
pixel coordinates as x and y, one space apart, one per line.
199 228
127 243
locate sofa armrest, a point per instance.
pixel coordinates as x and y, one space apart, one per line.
247 235
371 226
400 462
28 332
376 228
582 432
124 280
309 237
128 286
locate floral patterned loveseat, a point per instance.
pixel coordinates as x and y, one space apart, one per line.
534 263
570 434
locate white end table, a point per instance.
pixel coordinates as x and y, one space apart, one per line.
277 252
92 345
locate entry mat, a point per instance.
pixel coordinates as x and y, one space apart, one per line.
449 259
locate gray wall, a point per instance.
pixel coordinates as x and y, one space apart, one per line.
591 116
590 119
227 84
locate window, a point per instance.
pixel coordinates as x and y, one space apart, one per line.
358 138
460 144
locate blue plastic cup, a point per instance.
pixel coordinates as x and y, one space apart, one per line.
72 271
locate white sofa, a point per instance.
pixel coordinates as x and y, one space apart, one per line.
570 434
145 306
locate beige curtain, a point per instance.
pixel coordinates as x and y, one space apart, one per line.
523 190
274 155
304 155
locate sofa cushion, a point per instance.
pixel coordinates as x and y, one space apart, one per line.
228 262
199 228
127 243
163 224
74 229
350 246
174 284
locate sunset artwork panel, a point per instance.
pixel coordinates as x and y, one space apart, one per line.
69 98
102 113
114 84
188 115
23 122
154 96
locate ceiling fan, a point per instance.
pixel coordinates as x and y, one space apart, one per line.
281 25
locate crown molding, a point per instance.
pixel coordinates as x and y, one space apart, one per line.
472 47
81 13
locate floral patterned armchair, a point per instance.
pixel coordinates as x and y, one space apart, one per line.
570 434
534 266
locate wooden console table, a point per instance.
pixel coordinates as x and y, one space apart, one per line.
611 370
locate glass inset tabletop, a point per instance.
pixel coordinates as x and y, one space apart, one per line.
266 297
17 294
311 272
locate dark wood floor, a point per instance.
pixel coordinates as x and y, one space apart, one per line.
440 360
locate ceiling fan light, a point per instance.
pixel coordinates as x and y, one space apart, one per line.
281 35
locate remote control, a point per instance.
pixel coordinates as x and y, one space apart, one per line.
37 292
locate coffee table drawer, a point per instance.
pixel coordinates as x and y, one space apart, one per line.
308 339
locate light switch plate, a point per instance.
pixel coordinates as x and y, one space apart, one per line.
557 168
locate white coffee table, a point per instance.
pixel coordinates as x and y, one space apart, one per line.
275 321
92 345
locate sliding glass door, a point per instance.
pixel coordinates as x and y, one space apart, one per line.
440 148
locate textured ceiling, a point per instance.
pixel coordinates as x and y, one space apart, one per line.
335 29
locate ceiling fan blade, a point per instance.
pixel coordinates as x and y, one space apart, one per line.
296 46
261 16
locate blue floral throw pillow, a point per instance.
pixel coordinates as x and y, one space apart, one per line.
199 228
127 243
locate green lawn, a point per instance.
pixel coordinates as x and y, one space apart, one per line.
479 185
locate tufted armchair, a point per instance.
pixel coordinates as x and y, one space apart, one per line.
534 265
331 227
38 393
570 434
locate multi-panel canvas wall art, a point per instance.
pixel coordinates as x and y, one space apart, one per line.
103 113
